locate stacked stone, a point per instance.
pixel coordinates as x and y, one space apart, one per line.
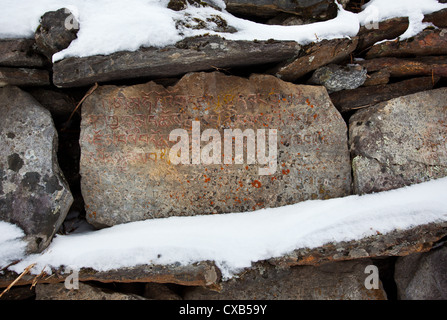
349 116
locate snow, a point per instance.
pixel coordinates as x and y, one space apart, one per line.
108 26
236 240
12 247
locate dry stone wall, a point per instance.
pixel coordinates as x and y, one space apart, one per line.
142 136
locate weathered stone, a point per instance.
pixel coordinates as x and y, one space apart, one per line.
285 19
52 35
20 53
57 291
18 293
336 77
159 291
33 192
315 9
192 54
438 18
397 243
59 103
314 56
399 142
127 173
420 66
23 77
213 22
377 78
198 274
422 276
332 281
178 5
388 30
427 43
348 100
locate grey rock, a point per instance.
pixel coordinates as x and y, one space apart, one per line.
53 35
33 192
191 54
336 78
24 77
422 276
58 291
125 146
20 53
332 281
399 142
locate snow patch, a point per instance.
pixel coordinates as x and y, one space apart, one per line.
109 26
236 240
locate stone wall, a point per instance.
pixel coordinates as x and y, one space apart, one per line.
85 143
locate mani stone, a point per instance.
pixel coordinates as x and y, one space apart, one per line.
399 142
33 192
126 168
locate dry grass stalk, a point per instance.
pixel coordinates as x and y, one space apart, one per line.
27 269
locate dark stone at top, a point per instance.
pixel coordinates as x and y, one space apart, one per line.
56 31
315 9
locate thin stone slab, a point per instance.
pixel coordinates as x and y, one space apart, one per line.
127 174
24 77
314 56
399 142
188 55
20 53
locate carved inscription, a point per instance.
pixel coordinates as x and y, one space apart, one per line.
127 174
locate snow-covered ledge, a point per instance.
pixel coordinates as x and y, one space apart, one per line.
201 250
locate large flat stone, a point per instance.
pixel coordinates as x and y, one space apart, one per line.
127 174
33 192
426 43
204 274
399 142
193 54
